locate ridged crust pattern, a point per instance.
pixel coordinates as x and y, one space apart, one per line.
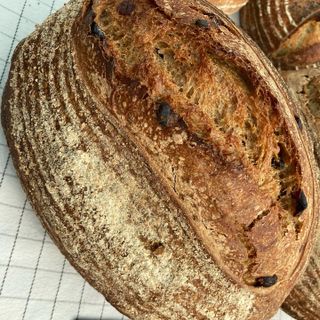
271 22
201 219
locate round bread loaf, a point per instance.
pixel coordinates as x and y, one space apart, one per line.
159 148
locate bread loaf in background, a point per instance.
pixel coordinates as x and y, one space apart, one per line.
289 32
160 150
229 6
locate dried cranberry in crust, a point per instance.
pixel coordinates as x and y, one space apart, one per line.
96 31
266 282
299 122
278 163
202 23
126 7
302 203
166 116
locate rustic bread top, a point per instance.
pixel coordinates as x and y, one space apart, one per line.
160 150
287 31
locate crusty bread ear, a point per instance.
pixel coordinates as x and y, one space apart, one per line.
161 152
229 6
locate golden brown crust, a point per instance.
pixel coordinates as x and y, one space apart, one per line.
156 211
272 23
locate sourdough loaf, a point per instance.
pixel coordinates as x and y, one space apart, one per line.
289 32
229 6
161 152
